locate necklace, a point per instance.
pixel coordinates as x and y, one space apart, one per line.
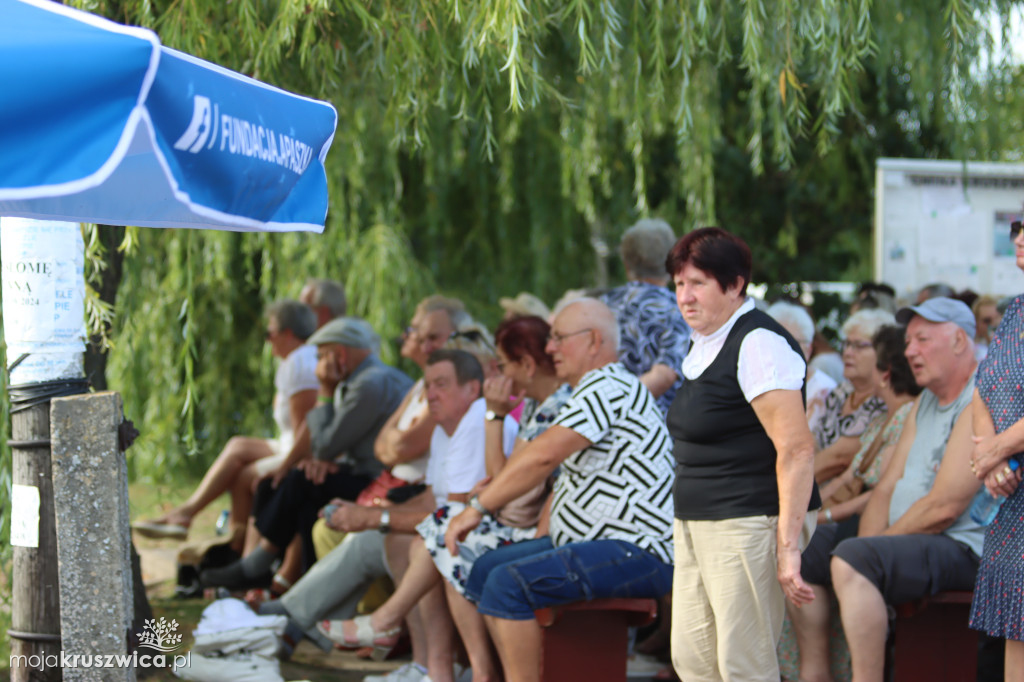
854 403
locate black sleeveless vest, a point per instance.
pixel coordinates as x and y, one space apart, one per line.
725 462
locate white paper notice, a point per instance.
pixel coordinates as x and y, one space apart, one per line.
44 298
24 515
29 296
43 282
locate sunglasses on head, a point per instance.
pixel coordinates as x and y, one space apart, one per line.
1014 229
473 336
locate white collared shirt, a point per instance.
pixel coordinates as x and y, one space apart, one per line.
766 360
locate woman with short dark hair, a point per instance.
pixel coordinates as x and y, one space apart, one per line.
744 474
527 375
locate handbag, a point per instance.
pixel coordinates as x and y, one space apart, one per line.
377 492
851 489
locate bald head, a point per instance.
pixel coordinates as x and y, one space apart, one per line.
584 336
597 315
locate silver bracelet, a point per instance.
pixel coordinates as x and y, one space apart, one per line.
828 515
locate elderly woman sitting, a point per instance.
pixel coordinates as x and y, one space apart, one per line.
820 655
853 405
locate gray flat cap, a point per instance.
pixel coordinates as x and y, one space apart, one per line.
346 331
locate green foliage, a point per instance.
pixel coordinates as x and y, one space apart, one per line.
489 147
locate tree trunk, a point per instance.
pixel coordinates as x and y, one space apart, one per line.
111 237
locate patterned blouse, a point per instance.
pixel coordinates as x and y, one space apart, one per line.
832 424
653 331
890 435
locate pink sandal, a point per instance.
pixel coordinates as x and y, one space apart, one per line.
382 642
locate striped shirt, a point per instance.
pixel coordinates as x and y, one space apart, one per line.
620 487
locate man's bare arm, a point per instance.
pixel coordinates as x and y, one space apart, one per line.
952 491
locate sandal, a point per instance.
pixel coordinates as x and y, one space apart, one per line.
382 642
158 530
279 585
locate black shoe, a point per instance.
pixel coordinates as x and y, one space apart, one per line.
233 578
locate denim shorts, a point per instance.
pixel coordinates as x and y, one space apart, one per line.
521 578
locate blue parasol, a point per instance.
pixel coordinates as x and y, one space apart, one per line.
101 123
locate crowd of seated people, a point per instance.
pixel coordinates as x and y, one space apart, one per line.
535 467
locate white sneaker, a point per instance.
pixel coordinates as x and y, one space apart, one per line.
410 672
463 674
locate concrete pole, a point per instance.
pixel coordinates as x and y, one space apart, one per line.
90 482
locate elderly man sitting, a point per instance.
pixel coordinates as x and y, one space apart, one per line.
357 395
916 537
611 516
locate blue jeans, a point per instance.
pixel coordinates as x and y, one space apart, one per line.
530 575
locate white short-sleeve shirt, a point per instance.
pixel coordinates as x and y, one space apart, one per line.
297 372
457 461
766 360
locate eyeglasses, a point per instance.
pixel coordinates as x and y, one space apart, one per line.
856 345
1015 228
556 338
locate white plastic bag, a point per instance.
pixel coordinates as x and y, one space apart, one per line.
233 643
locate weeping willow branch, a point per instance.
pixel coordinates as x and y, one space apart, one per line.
482 146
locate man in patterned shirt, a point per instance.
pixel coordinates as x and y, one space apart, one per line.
611 516
654 335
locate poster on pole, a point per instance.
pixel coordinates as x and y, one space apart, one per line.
42 273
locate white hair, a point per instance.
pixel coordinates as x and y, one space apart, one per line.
790 314
867 322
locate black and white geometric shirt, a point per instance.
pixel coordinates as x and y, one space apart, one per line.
621 486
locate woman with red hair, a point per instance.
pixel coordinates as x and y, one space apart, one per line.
528 376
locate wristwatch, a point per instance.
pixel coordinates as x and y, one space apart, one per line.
493 416
474 502
385 521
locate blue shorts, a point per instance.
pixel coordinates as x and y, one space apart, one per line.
512 582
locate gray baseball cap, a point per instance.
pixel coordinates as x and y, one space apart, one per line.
346 331
941 309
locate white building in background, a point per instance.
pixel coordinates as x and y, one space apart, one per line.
946 221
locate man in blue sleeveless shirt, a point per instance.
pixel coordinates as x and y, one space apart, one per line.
916 537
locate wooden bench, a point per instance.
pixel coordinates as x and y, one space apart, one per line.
932 642
588 640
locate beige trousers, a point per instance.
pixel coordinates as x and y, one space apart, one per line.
727 605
